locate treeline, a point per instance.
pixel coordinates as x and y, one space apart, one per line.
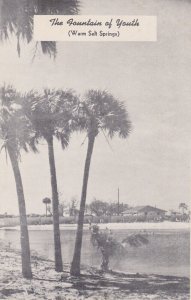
95 207
101 208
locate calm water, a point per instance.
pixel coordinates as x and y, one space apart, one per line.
167 252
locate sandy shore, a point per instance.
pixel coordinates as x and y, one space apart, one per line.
119 226
47 284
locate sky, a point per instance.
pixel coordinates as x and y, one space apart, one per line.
152 166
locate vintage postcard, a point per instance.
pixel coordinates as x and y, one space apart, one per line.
95 121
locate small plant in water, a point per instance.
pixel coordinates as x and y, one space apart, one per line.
109 246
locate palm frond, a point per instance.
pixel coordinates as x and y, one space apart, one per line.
64 139
49 48
4 146
16 19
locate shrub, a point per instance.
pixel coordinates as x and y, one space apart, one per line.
109 246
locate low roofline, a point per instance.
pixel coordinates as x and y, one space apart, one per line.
142 209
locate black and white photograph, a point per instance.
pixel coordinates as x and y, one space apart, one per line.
95 149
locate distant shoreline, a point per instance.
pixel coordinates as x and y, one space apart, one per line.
113 226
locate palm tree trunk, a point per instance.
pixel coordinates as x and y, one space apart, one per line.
55 203
75 266
25 247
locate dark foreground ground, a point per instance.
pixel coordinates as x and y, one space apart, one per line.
47 284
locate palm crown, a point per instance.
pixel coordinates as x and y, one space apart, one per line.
100 111
51 114
15 128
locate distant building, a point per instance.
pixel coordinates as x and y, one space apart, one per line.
145 211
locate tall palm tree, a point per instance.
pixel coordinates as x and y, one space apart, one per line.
52 116
16 133
16 19
100 112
